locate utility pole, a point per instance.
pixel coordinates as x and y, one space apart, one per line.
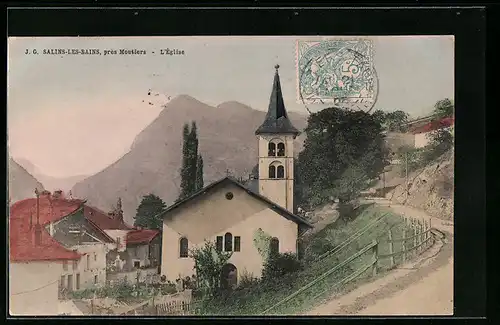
406 178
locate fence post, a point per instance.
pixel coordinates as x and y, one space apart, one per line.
375 257
391 249
403 245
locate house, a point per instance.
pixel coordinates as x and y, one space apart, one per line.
36 262
64 220
135 249
422 132
236 217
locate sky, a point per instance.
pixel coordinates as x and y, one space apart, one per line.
77 114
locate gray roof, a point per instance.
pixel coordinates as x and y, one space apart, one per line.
276 121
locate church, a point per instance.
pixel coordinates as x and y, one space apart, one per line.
236 218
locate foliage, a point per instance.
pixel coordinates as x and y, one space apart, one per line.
444 108
262 242
343 150
148 212
208 266
247 280
395 121
192 164
277 265
199 173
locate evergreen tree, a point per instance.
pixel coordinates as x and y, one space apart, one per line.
185 163
148 212
193 158
192 164
199 173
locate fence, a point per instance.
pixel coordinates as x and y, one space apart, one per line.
420 239
175 304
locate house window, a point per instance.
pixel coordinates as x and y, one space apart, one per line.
228 242
96 279
95 257
78 281
280 172
274 246
75 265
272 171
137 264
229 195
118 242
183 247
88 261
237 243
271 149
65 265
281 149
62 281
218 243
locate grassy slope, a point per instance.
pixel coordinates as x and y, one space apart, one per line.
257 298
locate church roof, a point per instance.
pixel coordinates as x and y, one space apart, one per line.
276 121
276 208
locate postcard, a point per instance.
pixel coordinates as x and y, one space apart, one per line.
231 175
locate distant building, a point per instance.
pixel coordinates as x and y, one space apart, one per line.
422 131
35 266
232 215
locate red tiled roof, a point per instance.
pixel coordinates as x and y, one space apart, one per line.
51 209
434 125
142 236
21 235
102 220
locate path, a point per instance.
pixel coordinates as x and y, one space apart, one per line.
420 287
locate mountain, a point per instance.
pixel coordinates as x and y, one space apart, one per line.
51 183
226 141
21 183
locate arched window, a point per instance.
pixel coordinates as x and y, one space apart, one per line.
228 242
183 247
272 171
271 149
274 246
280 172
281 149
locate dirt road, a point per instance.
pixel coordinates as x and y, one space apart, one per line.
421 287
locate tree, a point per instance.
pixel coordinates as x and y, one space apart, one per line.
395 121
343 150
148 212
199 173
444 108
192 164
208 264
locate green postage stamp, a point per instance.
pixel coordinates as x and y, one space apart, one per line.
339 71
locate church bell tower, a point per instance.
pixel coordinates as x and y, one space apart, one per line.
276 136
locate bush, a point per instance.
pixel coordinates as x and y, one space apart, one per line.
278 265
247 280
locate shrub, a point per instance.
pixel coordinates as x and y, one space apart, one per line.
247 280
278 265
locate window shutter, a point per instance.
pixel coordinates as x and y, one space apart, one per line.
237 243
219 243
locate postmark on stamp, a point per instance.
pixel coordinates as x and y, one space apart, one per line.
338 71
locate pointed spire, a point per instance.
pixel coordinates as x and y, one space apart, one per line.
277 118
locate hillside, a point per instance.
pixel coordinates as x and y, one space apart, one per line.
21 183
51 183
226 141
430 188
